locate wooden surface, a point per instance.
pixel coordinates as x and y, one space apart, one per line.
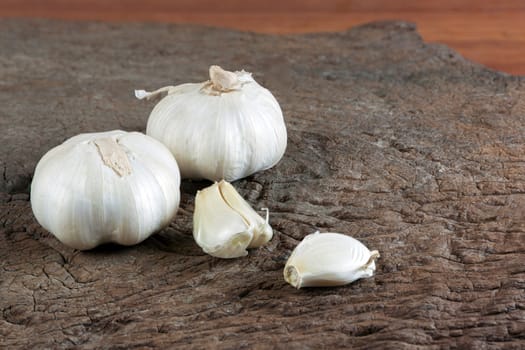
402 144
488 32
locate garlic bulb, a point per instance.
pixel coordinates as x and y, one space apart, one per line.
105 187
329 259
224 224
226 128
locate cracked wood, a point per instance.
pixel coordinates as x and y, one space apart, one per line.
404 145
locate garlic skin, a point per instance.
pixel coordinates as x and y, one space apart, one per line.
105 187
329 259
226 128
224 224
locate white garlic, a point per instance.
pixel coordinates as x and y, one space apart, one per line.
329 259
226 128
224 224
105 187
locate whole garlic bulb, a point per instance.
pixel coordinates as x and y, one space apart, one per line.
226 128
224 224
329 259
105 187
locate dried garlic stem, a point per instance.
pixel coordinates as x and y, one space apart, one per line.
223 80
143 94
114 156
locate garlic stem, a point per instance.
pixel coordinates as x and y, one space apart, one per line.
223 80
114 156
143 94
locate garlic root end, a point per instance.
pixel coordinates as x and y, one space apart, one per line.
374 254
291 275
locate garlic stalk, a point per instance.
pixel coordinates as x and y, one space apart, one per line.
228 127
224 224
105 187
329 259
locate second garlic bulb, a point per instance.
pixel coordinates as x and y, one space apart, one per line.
226 128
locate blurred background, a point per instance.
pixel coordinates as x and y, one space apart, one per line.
488 32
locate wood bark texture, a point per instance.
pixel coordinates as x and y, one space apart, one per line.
401 144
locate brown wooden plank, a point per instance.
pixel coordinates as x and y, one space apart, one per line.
487 32
399 143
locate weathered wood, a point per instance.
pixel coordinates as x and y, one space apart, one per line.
403 145
488 32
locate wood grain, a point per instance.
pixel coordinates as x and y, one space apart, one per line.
402 144
489 32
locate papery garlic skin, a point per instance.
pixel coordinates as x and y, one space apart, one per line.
224 224
105 187
226 128
329 259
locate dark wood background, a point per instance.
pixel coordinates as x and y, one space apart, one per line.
488 32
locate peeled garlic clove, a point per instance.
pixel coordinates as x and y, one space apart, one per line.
105 187
329 259
224 224
228 127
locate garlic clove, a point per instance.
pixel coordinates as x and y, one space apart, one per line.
262 232
224 224
218 229
329 259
